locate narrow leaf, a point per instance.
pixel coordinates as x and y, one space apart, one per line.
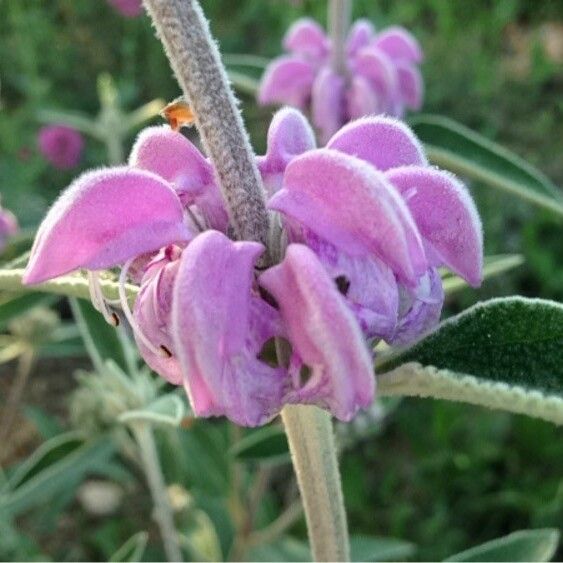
369 548
100 338
244 83
525 545
461 150
133 549
265 445
168 409
14 305
504 353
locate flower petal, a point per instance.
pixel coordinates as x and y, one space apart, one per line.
362 99
378 68
410 85
421 309
368 285
104 218
328 103
287 80
323 334
306 37
446 217
382 141
351 205
173 157
153 308
399 44
216 339
288 136
361 33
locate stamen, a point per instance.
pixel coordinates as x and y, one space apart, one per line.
98 299
161 351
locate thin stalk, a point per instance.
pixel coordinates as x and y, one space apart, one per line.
339 16
194 57
25 365
163 511
313 452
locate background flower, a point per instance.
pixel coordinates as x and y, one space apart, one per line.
128 8
61 145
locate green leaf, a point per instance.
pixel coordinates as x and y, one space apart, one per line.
461 150
265 445
168 409
232 59
368 548
73 285
244 83
525 545
493 266
77 120
504 353
36 488
14 305
284 549
101 339
133 549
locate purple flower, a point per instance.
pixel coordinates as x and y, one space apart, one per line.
8 227
61 145
128 8
382 75
363 224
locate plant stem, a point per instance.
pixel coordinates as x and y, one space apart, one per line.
163 511
25 365
339 16
194 57
311 442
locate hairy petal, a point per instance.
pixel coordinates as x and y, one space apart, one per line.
446 217
420 308
399 44
216 338
384 142
360 35
287 80
288 136
351 205
152 312
411 86
306 37
375 66
173 157
323 333
328 111
103 219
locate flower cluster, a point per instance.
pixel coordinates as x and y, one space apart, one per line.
381 76
8 227
363 224
61 145
128 8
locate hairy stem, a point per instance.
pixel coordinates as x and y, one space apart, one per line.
162 509
25 365
311 441
194 57
339 15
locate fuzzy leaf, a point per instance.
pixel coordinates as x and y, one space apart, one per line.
524 545
455 147
504 353
133 549
168 409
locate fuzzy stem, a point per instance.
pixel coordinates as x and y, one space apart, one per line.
311 441
339 15
194 57
162 509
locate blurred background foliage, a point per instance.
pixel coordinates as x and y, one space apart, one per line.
442 476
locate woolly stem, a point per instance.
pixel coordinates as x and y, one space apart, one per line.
162 510
194 57
339 16
313 452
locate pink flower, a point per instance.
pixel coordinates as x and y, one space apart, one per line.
382 75
128 8
8 227
364 224
61 145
